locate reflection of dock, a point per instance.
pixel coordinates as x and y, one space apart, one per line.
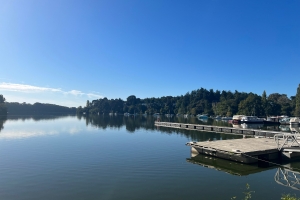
283 176
220 129
288 178
227 166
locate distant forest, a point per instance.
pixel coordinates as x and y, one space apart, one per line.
3 109
201 101
14 108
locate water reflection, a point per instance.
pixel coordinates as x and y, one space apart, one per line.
135 123
2 121
38 117
227 166
20 127
287 175
288 178
130 123
248 126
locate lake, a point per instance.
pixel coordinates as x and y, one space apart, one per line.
117 157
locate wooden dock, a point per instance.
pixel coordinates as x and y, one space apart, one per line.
249 150
240 150
220 129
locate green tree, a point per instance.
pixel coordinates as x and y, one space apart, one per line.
3 108
297 109
2 99
264 102
251 105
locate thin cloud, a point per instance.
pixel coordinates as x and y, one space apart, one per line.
92 95
75 92
26 88
36 89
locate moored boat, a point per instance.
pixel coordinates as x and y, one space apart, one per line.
226 118
285 120
203 116
294 121
236 119
251 119
272 120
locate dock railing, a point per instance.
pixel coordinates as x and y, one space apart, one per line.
287 140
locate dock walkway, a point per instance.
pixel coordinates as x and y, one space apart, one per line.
241 150
220 129
249 150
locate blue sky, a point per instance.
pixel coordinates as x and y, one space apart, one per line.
69 51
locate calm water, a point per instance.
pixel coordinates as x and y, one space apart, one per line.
110 158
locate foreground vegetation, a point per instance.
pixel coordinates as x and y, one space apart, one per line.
225 103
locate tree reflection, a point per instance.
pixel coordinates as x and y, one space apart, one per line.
140 122
2 121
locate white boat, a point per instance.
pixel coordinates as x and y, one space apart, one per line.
237 118
218 117
251 119
126 114
272 120
294 121
285 120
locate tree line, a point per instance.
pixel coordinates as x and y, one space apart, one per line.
3 109
201 101
15 108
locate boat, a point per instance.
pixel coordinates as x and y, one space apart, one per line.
251 119
294 121
126 114
272 120
203 116
285 120
226 118
236 119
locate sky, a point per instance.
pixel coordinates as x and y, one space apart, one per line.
66 52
